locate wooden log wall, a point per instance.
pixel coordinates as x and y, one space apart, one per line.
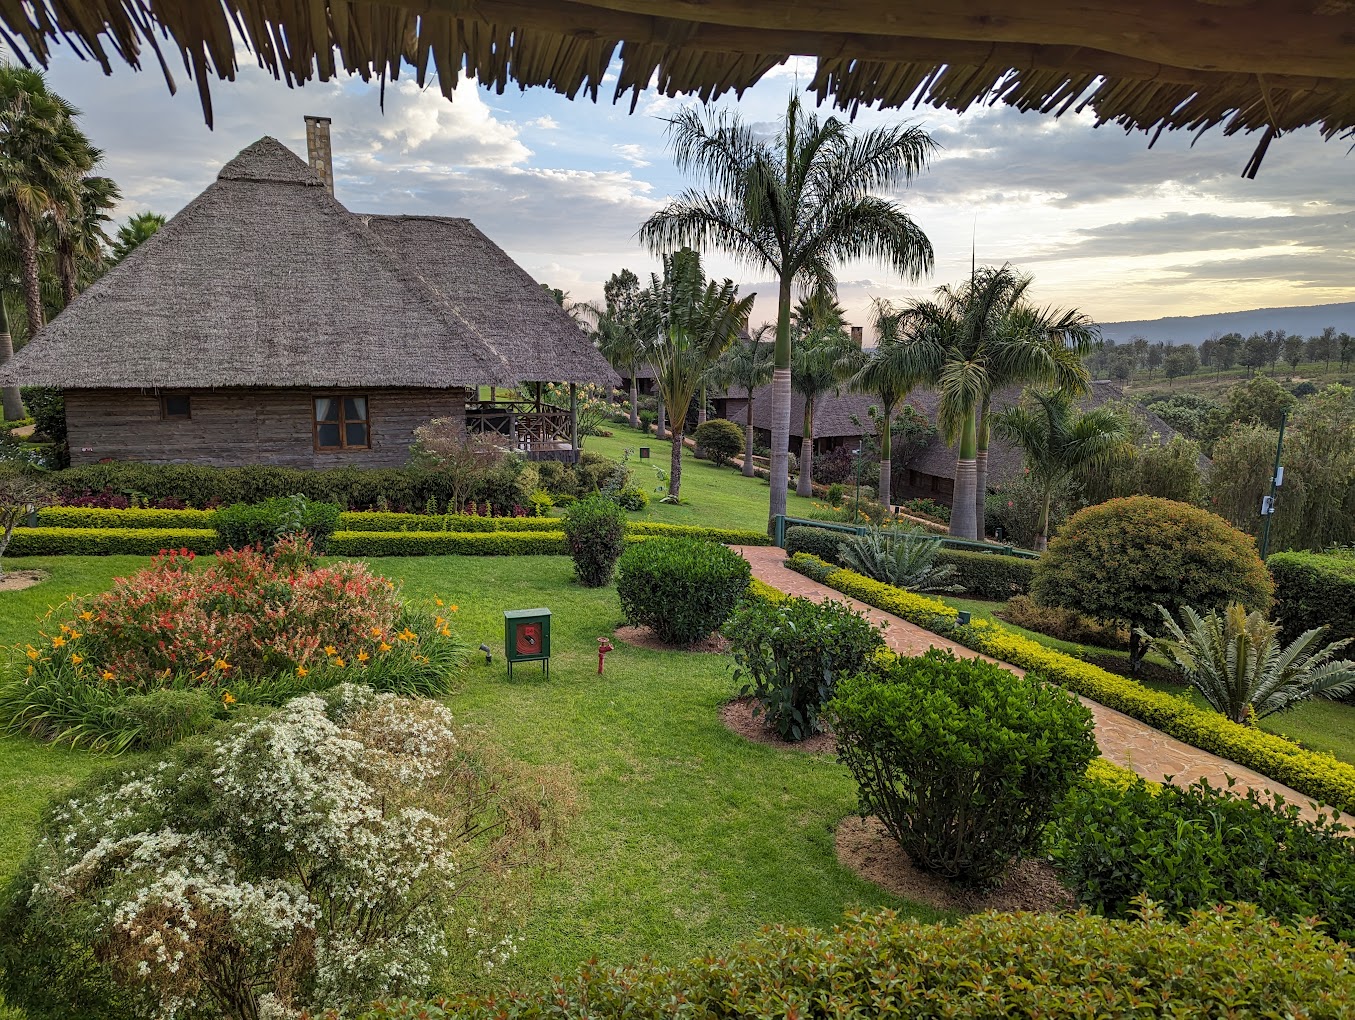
237 427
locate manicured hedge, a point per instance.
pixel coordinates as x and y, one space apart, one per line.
728 536
988 575
448 543
1231 962
133 520
1313 773
1312 590
377 520
824 543
108 541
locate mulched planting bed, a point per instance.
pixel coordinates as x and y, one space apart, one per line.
737 715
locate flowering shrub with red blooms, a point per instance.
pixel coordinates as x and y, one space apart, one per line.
250 627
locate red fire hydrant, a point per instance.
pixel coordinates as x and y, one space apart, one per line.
603 648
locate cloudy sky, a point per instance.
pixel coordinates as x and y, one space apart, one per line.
1104 223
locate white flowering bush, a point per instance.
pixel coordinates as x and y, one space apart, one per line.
339 850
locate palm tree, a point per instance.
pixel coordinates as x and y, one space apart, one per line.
747 366
822 359
42 159
79 236
691 324
976 339
886 374
134 232
796 207
1059 441
1235 660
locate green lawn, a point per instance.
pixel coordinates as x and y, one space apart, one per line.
711 496
689 837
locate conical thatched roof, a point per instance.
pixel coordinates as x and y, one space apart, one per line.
1150 65
497 296
265 280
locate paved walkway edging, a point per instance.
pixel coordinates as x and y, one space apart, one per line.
1152 754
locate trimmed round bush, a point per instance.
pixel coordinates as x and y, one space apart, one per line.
719 438
1119 560
680 588
633 498
595 529
246 524
962 760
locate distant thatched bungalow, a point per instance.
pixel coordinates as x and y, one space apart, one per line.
267 324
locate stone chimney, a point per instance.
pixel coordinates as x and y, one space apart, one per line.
858 332
318 152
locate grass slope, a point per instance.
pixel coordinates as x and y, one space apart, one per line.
713 497
688 837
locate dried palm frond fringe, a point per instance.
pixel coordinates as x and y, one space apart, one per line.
1272 87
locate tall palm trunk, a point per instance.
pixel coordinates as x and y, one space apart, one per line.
981 474
661 426
634 400
28 266
748 437
701 409
886 478
9 396
66 269
962 519
804 486
780 475
675 462
1042 536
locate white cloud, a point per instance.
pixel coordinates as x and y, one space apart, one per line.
632 153
546 123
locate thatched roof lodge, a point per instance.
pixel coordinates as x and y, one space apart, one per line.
1268 66
929 470
268 324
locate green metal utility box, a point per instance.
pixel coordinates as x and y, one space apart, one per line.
526 637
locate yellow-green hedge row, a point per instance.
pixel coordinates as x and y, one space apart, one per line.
1312 773
130 520
448 543
108 541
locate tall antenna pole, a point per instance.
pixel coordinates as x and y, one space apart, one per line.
1276 480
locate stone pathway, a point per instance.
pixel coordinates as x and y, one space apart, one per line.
1122 738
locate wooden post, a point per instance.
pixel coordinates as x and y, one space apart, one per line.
574 420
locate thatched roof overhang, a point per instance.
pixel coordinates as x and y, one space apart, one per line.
1150 65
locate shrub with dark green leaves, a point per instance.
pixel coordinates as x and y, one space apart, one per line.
595 530
262 524
633 498
986 575
1194 847
1233 962
1121 559
1313 590
962 760
792 654
820 542
680 588
720 439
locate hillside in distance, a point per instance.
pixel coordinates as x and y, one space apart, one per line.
1306 320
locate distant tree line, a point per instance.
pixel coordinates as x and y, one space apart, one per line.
1137 358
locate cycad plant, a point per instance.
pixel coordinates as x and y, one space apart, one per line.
903 557
1237 662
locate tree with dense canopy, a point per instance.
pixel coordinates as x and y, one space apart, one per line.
795 206
617 333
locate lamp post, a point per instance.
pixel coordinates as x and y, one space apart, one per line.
860 445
